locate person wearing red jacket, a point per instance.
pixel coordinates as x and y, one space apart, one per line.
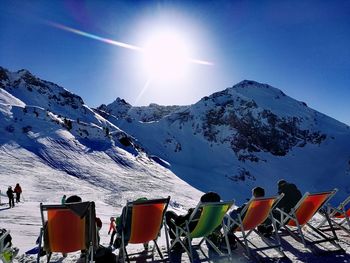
18 191
113 228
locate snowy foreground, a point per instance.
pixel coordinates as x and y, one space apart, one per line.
24 223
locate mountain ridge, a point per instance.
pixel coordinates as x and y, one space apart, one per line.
246 135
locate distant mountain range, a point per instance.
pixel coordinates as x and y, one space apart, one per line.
247 135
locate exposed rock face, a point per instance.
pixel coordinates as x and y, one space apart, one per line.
123 110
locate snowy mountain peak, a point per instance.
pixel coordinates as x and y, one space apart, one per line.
244 134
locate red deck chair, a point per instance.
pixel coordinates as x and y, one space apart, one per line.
254 214
145 223
68 228
301 214
339 216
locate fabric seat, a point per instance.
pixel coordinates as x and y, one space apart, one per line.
68 228
145 223
339 216
256 211
210 219
301 215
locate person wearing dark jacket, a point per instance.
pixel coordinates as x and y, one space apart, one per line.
291 197
18 191
172 219
11 197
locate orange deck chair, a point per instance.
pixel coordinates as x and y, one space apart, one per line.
145 223
339 216
68 228
302 213
254 214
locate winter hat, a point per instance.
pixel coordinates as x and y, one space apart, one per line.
281 182
210 197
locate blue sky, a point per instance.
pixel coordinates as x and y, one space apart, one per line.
300 47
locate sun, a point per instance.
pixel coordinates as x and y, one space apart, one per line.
166 56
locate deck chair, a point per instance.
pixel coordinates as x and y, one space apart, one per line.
5 255
68 228
142 224
211 218
252 215
339 216
302 213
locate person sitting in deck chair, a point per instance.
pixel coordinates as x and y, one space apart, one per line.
256 193
172 219
127 226
291 197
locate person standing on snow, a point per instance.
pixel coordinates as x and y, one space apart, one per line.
18 191
11 197
113 228
63 200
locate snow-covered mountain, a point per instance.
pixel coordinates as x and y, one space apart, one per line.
249 134
51 126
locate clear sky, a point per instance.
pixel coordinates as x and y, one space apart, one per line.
300 47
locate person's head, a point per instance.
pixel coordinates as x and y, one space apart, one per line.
112 219
141 199
258 192
281 183
17 184
64 196
10 187
210 197
73 199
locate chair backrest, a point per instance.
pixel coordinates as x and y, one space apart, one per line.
256 211
309 205
211 217
3 236
340 215
146 219
342 206
65 231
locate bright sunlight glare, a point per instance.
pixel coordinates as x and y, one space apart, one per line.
166 56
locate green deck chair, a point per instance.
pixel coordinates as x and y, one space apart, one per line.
210 219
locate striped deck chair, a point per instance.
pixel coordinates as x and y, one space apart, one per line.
146 221
5 255
252 215
301 214
339 216
211 217
68 228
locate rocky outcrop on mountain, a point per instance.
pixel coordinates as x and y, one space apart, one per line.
123 110
35 91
